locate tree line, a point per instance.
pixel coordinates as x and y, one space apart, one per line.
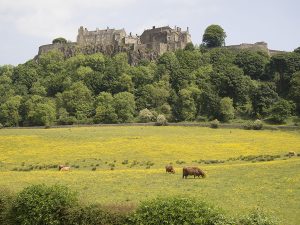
195 84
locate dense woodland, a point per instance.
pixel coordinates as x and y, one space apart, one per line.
194 84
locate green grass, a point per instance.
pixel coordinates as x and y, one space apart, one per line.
236 186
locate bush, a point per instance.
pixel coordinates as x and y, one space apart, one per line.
161 120
281 110
1 125
94 215
59 40
176 210
145 116
248 125
258 217
41 204
6 199
215 124
257 125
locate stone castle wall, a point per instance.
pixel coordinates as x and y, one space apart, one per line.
152 43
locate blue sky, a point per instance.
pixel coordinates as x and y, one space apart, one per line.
27 24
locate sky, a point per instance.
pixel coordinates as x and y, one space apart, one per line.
27 24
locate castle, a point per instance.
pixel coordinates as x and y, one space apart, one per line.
158 40
152 43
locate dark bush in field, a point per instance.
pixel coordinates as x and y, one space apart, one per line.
94 215
6 198
41 204
257 217
215 124
176 210
256 125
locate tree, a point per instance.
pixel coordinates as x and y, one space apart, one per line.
153 96
226 109
44 114
124 104
145 116
297 50
39 111
282 67
230 81
263 97
253 63
295 90
77 100
214 36
186 103
189 47
105 112
59 40
280 111
9 111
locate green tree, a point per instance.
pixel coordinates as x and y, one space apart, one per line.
145 116
59 40
231 82
189 47
39 111
226 109
282 67
186 104
280 111
153 96
214 36
6 88
253 63
9 111
124 104
25 75
294 93
40 204
263 97
77 100
105 112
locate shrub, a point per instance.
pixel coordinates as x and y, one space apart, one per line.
257 125
145 116
258 217
59 40
6 199
161 120
94 215
248 125
281 110
226 109
41 204
176 210
1 125
215 124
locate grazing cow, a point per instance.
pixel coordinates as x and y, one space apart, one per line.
170 169
291 153
194 171
64 168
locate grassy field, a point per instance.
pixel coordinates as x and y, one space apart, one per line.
126 164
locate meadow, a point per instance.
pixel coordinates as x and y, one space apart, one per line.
246 169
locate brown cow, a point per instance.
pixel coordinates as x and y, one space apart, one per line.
64 168
195 171
170 169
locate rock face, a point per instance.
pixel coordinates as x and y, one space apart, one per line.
152 43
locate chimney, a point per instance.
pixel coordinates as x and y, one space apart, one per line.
153 27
